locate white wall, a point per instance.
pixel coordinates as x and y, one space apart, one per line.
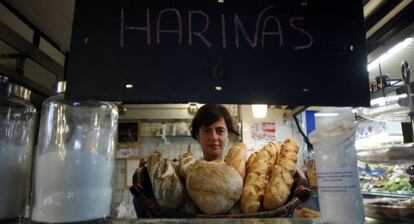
285 128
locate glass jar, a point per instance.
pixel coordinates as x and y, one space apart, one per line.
74 160
17 127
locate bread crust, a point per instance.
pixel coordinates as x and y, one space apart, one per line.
166 185
214 186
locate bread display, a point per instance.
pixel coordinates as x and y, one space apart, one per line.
236 157
214 186
186 160
213 189
168 190
259 165
281 180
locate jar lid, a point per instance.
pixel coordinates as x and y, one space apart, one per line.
3 78
10 89
60 87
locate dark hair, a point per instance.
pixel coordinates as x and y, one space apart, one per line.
207 115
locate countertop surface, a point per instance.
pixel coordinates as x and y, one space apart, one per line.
241 221
221 221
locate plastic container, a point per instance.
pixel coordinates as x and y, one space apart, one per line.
74 160
340 198
17 127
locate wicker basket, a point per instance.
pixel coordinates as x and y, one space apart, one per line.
146 207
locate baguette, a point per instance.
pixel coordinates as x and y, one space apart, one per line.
251 160
281 181
236 157
257 178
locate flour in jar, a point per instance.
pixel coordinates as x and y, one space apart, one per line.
72 186
14 173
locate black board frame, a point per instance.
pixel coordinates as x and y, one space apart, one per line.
319 60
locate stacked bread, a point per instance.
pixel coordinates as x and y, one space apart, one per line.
281 180
168 190
258 172
236 157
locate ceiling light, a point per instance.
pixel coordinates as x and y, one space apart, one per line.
259 110
319 114
129 86
389 53
218 88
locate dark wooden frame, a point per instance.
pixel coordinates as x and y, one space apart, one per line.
133 140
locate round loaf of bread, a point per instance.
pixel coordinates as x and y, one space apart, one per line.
214 186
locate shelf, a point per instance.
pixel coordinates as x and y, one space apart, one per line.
386 194
392 154
386 91
390 108
12 38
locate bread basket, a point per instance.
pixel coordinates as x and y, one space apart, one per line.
146 206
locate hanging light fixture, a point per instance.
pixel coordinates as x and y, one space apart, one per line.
259 110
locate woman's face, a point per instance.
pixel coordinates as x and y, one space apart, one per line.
213 139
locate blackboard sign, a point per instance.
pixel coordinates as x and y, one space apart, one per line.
295 52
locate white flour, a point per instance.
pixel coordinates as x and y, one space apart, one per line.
72 186
14 172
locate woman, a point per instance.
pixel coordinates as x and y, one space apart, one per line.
211 127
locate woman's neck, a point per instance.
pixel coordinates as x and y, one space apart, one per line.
211 158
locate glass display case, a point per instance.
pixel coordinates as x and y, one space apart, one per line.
385 162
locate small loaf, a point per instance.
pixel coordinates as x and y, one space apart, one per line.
306 213
281 181
185 161
166 185
236 157
257 177
214 186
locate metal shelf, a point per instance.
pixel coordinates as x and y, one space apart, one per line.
386 194
387 90
26 49
12 38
